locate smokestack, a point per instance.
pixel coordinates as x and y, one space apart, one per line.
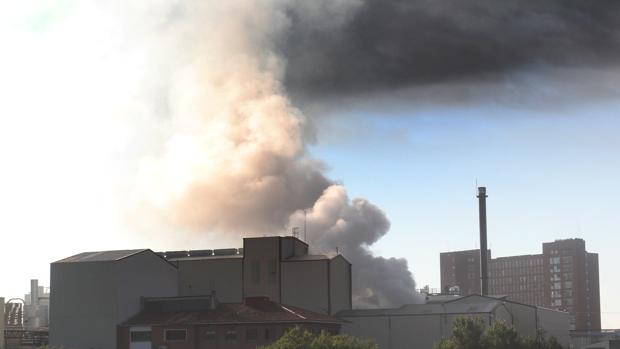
484 273
34 293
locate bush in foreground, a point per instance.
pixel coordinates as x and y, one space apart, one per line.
471 333
298 338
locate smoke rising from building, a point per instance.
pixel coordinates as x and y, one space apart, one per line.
233 161
351 227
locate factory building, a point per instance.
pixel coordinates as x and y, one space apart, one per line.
419 326
94 293
36 307
564 277
277 267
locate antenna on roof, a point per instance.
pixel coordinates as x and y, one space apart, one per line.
305 233
295 232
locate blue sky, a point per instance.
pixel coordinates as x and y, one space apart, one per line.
549 176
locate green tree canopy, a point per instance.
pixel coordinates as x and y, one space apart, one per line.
298 338
471 333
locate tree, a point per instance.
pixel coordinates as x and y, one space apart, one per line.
471 333
299 338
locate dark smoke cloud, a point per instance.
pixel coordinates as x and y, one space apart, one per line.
389 44
351 227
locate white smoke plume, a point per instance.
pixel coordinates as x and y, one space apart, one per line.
188 98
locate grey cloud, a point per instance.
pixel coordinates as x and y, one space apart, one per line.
391 44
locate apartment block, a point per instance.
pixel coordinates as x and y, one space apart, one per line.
564 277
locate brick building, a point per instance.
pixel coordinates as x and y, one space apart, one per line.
564 277
201 322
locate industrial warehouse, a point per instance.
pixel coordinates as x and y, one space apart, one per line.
250 296
246 297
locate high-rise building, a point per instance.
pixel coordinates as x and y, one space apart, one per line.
572 281
460 272
564 277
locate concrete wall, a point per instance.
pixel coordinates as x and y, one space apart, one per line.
396 331
200 277
83 305
419 331
292 247
340 284
89 299
142 275
305 285
2 325
523 318
555 323
260 254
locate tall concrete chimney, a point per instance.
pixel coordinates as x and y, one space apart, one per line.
34 293
484 271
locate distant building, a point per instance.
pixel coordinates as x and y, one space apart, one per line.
419 326
460 272
564 277
36 307
94 292
582 339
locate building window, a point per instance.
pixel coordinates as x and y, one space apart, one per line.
175 335
267 334
272 266
255 272
251 334
231 335
209 334
141 336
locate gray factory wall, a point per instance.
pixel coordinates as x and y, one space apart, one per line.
340 284
419 331
83 307
290 247
261 255
305 284
2 324
555 323
89 299
142 275
523 318
200 277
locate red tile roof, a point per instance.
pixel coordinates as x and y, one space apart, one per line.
254 310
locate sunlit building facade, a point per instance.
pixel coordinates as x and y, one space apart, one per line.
564 277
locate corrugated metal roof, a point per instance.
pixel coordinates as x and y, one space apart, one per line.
256 311
463 305
100 256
